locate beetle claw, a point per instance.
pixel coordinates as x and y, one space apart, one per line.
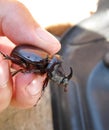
70 75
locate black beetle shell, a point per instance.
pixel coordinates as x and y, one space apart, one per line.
29 53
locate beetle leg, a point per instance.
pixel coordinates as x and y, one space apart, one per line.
44 86
65 88
5 56
38 99
32 71
14 60
15 72
45 83
52 63
24 71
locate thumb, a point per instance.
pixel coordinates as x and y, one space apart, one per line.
20 27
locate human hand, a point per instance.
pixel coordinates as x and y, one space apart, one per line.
17 24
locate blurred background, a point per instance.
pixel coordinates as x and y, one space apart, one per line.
51 12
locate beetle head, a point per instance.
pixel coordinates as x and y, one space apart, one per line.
60 77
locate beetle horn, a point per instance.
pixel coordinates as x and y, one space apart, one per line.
70 75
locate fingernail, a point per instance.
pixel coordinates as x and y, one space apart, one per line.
35 87
4 73
46 37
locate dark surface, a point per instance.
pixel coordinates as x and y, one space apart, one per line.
86 104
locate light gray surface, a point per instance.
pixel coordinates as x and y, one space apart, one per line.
37 118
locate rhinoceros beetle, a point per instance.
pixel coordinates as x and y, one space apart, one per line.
34 60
